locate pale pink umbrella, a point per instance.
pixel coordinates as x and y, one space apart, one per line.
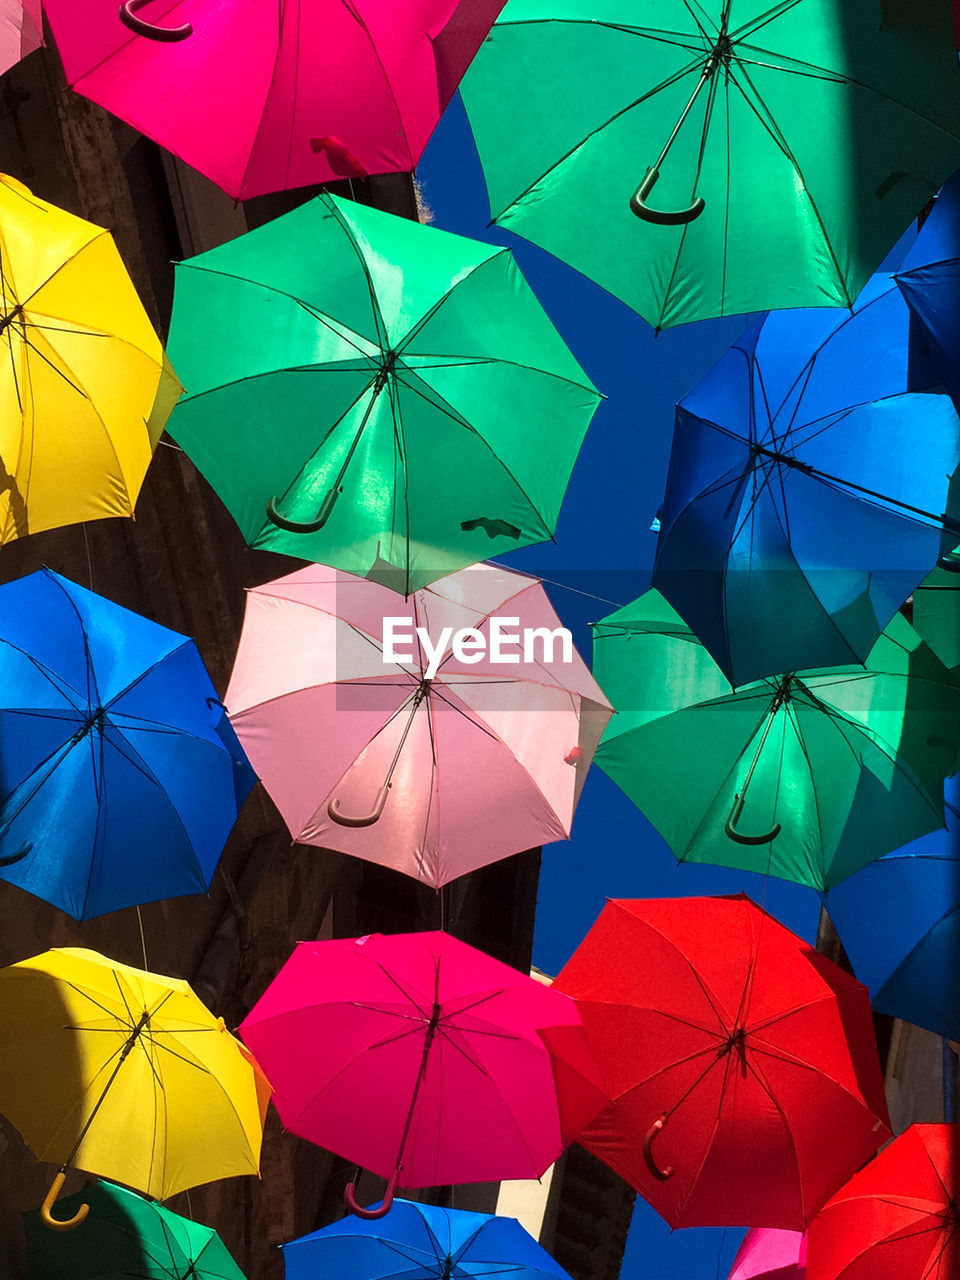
21 31
263 96
431 776
771 1254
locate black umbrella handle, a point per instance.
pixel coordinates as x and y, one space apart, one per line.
677 218
303 526
140 27
731 825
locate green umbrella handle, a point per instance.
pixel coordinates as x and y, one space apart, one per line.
662 1175
367 820
350 1198
60 1224
140 27
731 825
948 563
639 206
303 526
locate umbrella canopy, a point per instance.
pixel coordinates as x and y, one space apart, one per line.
432 766
427 1242
374 394
807 775
423 1059
84 386
21 30
935 614
806 485
125 1074
769 1254
899 922
261 97
897 1219
802 139
113 740
749 1070
126 1237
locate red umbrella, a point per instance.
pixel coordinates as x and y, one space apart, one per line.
897 1219
741 1065
423 1059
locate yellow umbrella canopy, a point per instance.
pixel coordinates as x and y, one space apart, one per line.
126 1074
85 388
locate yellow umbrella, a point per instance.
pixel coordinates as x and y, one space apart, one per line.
126 1074
85 388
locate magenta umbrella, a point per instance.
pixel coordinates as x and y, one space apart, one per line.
264 95
432 770
423 1059
771 1254
21 30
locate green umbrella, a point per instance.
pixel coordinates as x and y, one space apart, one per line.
936 614
700 158
126 1237
808 775
374 394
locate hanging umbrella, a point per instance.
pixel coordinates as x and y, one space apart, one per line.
806 486
83 380
897 1219
421 1242
128 1237
743 1079
374 394
424 1060
796 142
935 614
113 741
807 775
21 31
262 97
432 770
125 1074
899 922
769 1254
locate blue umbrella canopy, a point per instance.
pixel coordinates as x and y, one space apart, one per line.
809 473
120 776
420 1242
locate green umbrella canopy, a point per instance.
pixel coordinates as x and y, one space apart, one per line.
126 1237
396 391
806 776
936 614
818 129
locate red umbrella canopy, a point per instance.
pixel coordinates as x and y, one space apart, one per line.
741 1065
897 1219
419 1054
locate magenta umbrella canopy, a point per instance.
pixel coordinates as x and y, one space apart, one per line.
264 95
417 1055
769 1254
21 31
433 775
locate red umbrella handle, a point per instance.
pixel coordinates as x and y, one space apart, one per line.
350 1198
660 1174
140 27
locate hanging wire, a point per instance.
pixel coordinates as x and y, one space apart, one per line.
143 943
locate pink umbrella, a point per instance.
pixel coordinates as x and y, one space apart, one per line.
770 1254
21 30
424 1060
432 770
262 96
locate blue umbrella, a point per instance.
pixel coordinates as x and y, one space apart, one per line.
420 1242
899 922
120 776
807 480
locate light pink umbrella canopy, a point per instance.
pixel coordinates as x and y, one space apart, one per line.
21 31
770 1254
417 1050
264 95
488 759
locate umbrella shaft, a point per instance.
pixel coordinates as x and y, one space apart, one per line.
719 52
128 1045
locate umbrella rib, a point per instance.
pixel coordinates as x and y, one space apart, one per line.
713 1133
380 325
764 19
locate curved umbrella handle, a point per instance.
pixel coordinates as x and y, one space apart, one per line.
639 206
948 563
11 858
140 27
662 1175
350 1199
60 1224
366 820
303 526
731 826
